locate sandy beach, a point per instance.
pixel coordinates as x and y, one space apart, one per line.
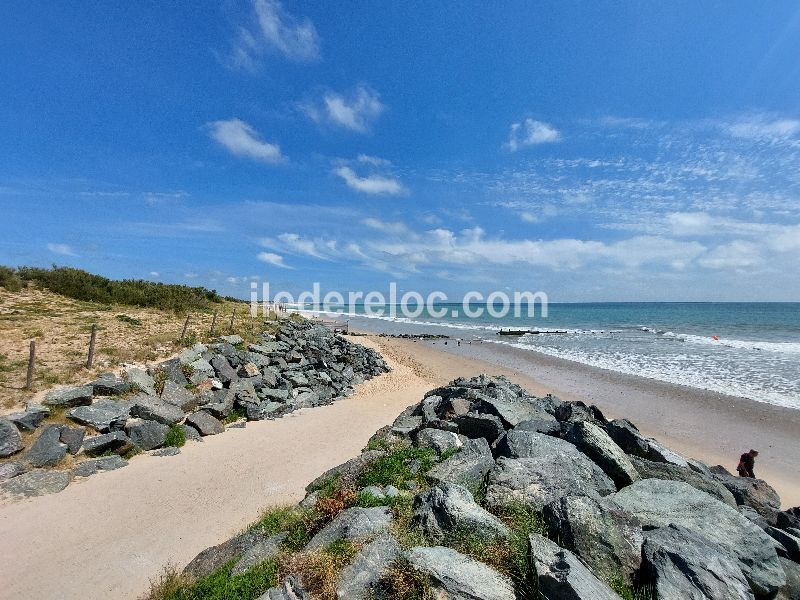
158 511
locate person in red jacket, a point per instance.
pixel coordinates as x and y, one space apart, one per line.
746 464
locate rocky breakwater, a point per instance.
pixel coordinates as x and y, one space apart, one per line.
81 430
482 491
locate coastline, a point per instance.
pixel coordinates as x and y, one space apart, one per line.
710 426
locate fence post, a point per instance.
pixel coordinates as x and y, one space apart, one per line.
90 360
185 325
31 360
213 323
233 316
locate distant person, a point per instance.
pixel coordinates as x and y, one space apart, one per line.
746 464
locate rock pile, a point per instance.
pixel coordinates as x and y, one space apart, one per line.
618 513
193 395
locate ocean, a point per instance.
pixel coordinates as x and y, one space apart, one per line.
751 350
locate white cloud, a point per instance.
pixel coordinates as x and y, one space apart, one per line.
393 228
356 110
63 249
737 255
155 274
272 259
241 139
530 133
374 161
370 184
764 128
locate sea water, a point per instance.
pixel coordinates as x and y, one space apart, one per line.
750 350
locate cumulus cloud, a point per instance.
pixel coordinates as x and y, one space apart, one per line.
356 110
63 249
530 133
241 139
272 259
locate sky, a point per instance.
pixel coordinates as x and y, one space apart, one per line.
601 151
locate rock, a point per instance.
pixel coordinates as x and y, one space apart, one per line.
467 467
523 443
406 425
391 492
704 482
116 441
108 384
514 410
604 537
755 493
141 381
151 409
790 542
191 433
683 564
104 415
47 450
357 580
475 425
374 491
223 403
173 369
263 549
628 437
36 483
204 423
10 440
225 372
211 559
439 440
560 574
69 396
547 426
95 465
179 396
11 469
577 412
233 340
201 370
659 503
450 509
168 451
597 445
290 589
347 473
147 435
456 576
31 418
353 524
249 370
72 437
791 591
188 355
265 410
275 394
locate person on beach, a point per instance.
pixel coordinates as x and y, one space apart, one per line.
747 462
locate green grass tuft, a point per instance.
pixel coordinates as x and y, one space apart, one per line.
176 437
393 469
219 585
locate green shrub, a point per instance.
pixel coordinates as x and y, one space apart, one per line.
129 320
176 437
9 279
298 524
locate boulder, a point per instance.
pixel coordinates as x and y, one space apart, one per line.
47 450
560 574
524 443
548 426
108 384
277 395
225 372
10 440
605 538
577 412
791 591
222 405
628 437
357 580
204 423
141 380
104 415
201 370
790 543
475 425
347 473
265 410
72 437
263 549
657 503
147 435
450 510
173 370
353 524
10 469
456 576
151 409
211 559
191 433
440 441
648 469
95 465
597 445
30 418
290 589
467 467
233 340
179 396
683 564
513 409
69 396
755 493
116 441
36 483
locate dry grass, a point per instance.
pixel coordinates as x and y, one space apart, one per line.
61 327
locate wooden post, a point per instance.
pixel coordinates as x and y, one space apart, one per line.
185 325
233 316
213 323
31 360
92 340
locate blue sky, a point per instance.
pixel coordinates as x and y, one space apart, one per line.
605 151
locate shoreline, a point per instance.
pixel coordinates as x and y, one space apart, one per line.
678 416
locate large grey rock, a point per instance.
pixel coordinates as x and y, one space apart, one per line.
10 469
95 465
69 396
790 543
455 576
277 395
685 566
151 409
629 438
353 524
524 443
560 574
179 396
225 372
108 384
201 369
289 589
439 440
30 418
605 538
265 410
116 441
450 510
476 425
659 503
104 415
222 405
147 435
467 467
597 445
704 482
47 450
755 493
173 369
72 437
346 473
10 439
791 591
141 380
211 559
192 435
263 549
204 423
514 410
357 580
36 483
